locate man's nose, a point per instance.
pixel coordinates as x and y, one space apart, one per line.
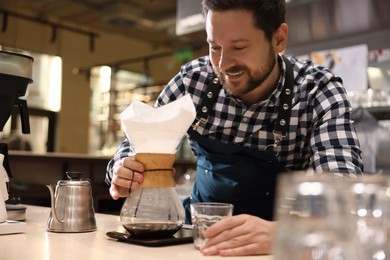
226 61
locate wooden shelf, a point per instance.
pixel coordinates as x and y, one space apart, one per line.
380 113
31 172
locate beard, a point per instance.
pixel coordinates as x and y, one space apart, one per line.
254 78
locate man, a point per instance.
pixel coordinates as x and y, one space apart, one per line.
269 114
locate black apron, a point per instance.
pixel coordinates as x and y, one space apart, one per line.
235 174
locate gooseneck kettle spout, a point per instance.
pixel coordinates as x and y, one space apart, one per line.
53 203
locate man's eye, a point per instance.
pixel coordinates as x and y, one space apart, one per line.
212 48
239 48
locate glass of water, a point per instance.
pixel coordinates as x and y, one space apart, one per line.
370 205
205 214
314 222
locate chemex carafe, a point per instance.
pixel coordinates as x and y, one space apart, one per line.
154 210
72 207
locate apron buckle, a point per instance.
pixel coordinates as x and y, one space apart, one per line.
278 139
198 121
273 147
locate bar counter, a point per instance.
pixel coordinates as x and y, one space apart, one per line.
37 243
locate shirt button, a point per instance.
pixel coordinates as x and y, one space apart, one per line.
245 119
267 193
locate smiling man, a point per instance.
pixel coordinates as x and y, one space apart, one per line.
259 113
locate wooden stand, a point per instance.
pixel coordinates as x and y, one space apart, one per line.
158 169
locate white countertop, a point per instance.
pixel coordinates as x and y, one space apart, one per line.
37 243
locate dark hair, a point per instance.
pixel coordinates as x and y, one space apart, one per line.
268 14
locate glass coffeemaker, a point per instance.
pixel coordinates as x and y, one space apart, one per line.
154 210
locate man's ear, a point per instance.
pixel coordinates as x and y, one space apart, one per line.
279 39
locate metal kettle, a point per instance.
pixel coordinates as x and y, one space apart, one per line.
71 205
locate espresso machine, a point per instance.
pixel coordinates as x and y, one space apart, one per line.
15 75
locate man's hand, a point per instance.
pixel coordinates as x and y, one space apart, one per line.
127 174
239 235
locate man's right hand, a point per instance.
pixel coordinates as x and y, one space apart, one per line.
127 174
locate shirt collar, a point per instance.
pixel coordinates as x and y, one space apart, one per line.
279 88
271 100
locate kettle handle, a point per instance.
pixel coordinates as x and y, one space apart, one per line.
74 176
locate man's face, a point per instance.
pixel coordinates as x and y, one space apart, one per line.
241 55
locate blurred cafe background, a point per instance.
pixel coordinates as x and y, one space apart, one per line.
92 57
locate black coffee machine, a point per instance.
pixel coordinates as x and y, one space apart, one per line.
15 75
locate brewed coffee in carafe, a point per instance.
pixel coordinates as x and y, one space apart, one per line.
154 210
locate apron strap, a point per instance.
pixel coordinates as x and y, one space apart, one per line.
208 98
283 122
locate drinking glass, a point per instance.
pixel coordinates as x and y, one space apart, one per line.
370 206
205 214
313 218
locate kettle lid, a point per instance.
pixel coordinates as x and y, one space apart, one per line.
74 179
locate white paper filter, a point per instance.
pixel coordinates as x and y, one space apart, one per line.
158 130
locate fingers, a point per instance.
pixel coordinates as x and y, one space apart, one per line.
117 192
130 163
127 178
127 174
224 224
239 235
114 192
225 232
227 249
234 242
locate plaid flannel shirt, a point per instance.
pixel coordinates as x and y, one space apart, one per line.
321 134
